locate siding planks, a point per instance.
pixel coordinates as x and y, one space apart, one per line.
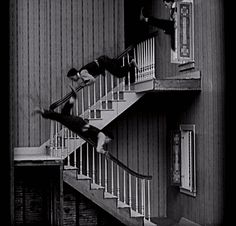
49 38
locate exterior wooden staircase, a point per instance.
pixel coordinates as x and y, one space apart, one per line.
123 193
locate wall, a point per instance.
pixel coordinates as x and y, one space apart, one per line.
204 109
47 38
36 199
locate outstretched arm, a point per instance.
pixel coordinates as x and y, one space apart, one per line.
87 78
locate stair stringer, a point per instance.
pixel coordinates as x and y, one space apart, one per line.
110 204
118 107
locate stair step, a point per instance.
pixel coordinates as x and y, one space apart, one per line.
83 177
96 186
29 151
136 214
148 223
108 195
66 167
122 205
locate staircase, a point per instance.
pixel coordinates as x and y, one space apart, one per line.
104 180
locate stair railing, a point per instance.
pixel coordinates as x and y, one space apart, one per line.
113 175
131 189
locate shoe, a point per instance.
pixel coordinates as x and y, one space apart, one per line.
38 110
141 16
101 150
45 113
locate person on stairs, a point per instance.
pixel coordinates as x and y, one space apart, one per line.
167 25
78 125
86 75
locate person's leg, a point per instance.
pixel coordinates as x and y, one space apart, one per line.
166 25
74 123
66 110
116 66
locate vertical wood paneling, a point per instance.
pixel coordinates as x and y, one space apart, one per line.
206 111
32 120
50 38
23 74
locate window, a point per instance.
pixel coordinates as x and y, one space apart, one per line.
183 159
184 33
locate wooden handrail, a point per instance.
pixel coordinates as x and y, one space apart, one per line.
65 98
108 155
129 48
122 165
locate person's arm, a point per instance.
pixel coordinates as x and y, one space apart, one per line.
87 78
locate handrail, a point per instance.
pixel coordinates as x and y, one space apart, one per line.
65 98
122 165
135 43
129 48
118 162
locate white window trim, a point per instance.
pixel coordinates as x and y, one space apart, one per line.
188 160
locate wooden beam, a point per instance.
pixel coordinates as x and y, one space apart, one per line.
177 84
39 163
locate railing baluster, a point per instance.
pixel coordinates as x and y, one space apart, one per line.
118 182
136 194
75 154
106 91
87 159
112 179
89 102
56 137
94 99
68 148
130 191
93 167
80 161
142 198
124 185
82 107
105 175
149 201
100 169
112 87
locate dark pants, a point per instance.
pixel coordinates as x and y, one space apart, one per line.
114 66
166 25
73 123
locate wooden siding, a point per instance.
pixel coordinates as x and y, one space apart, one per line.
204 109
140 142
47 39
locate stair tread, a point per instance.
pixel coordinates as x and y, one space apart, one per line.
136 214
70 167
122 205
96 186
109 195
148 223
83 177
